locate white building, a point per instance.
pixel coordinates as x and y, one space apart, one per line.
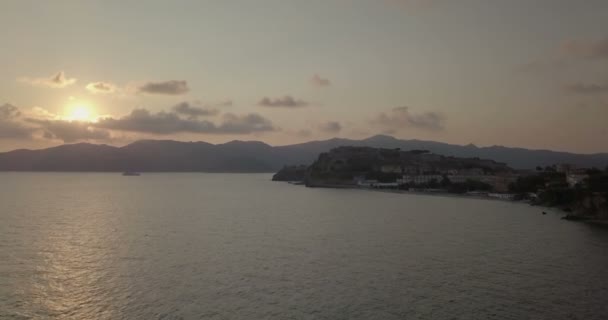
420 179
502 196
574 179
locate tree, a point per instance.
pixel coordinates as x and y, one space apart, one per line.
527 184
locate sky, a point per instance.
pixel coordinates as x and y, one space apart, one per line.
518 73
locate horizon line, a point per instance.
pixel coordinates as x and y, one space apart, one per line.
307 142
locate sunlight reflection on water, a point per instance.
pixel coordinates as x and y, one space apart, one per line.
215 246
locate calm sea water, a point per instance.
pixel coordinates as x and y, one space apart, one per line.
237 246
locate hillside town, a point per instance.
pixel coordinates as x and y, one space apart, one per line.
580 191
368 167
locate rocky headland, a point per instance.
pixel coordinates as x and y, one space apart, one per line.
582 192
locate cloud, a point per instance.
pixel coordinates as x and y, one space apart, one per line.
249 123
586 88
588 49
70 131
401 117
9 111
10 126
142 120
14 130
42 114
101 87
58 80
183 118
332 127
193 112
172 87
284 102
39 123
318 81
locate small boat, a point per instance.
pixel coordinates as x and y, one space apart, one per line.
131 174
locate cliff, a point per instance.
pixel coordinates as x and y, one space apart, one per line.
592 206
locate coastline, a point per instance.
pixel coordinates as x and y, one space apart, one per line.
544 209
400 191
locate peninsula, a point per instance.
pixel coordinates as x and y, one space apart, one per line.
582 192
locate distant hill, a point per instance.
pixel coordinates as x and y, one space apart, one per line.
518 158
255 156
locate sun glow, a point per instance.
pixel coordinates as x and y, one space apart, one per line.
80 112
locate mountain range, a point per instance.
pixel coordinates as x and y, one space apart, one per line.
255 156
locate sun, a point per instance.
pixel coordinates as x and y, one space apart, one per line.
80 112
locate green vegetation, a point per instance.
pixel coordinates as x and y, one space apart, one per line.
535 182
587 199
469 185
382 176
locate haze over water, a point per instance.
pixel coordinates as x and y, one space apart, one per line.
238 246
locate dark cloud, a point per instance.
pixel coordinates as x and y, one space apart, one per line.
332 127
182 119
193 112
59 80
10 126
173 87
284 102
142 120
14 130
318 81
70 131
249 123
401 117
101 87
9 111
589 49
586 88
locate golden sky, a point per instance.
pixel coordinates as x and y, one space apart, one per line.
516 73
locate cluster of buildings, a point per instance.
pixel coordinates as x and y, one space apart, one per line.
431 169
498 181
419 169
574 176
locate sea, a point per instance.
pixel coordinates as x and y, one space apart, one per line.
239 246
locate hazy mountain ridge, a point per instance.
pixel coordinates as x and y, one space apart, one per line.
255 156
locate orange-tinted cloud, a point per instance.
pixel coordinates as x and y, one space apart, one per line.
59 80
101 87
